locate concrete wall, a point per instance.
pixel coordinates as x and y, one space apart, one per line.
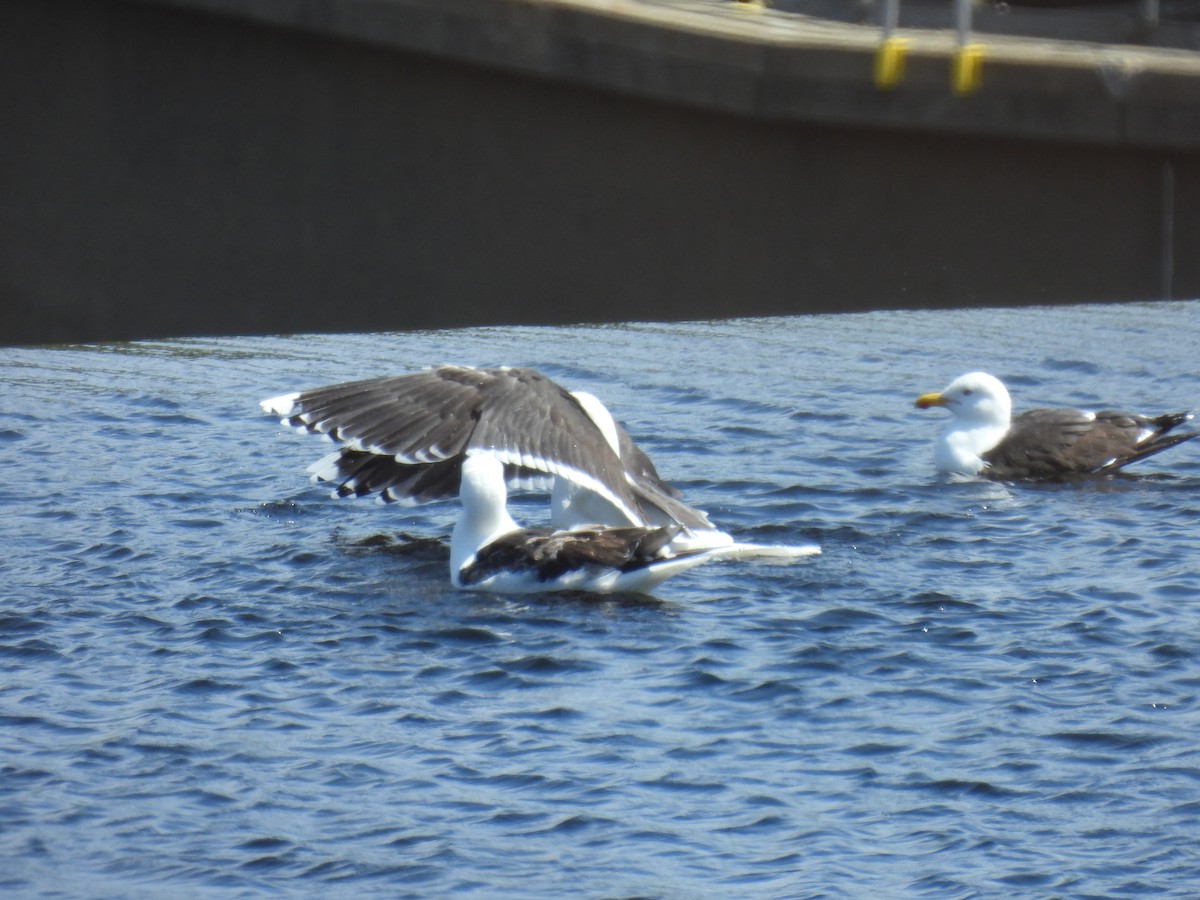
168 172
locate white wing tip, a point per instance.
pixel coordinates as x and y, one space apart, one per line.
282 405
325 468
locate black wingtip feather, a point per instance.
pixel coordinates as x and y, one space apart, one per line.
1150 448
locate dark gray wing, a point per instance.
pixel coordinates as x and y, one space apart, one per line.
527 420
659 501
1068 443
1148 433
419 418
357 473
638 465
405 436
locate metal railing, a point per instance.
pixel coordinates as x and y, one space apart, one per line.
1173 24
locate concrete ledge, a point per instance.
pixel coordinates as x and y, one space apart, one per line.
721 56
1176 24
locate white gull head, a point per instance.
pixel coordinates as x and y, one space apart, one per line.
981 412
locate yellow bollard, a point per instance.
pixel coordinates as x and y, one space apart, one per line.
889 63
966 70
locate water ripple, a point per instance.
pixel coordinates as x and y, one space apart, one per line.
215 679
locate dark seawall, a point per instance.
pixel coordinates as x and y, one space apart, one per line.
189 167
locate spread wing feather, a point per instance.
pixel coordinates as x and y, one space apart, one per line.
397 430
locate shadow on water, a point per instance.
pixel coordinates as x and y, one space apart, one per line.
399 544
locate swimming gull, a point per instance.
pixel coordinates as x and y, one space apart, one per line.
984 438
404 438
489 551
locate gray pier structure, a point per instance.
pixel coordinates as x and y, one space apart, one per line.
215 167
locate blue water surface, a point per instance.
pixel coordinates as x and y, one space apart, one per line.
216 680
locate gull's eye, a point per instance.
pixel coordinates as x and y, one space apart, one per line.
967 392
